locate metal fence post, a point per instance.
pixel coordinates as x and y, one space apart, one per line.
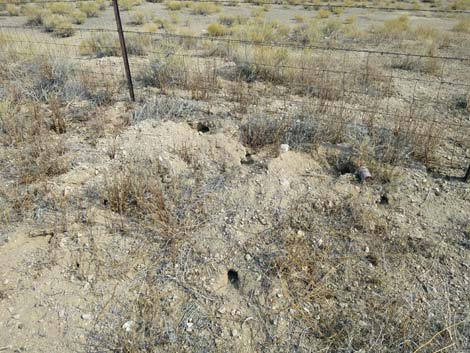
123 49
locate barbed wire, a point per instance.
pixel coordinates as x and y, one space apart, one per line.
261 43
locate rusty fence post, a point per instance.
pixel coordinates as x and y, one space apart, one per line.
467 175
122 41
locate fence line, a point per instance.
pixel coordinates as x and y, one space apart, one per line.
258 43
350 98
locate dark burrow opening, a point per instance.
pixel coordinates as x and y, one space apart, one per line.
233 278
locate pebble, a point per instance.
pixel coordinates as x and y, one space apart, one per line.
86 316
247 257
128 326
235 333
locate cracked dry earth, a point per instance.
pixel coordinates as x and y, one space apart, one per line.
270 252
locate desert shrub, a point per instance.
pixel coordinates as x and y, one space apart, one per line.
426 32
91 9
299 18
460 5
229 21
162 71
127 5
155 1
463 26
137 44
217 30
306 33
137 18
103 4
61 8
272 31
59 25
323 13
331 27
145 191
174 5
100 45
394 27
151 27
13 10
262 63
77 17
204 8
35 15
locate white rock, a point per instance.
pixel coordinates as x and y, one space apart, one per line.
128 326
284 148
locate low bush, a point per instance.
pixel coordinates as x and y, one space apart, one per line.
163 71
137 18
204 8
100 45
217 30
59 25
174 5
463 26
91 9
13 10
77 17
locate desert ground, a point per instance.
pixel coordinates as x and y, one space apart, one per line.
226 209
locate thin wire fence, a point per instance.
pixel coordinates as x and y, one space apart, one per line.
369 95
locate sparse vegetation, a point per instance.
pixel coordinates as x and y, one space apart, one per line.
230 207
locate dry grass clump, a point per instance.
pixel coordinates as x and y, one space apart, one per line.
144 191
60 25
204 8
174 5
13 10
91 9
346 279
163 71
105 44
267 31
39 152
323 13
463 26
127 5
217 30
100 45
394 27
230 21
138 18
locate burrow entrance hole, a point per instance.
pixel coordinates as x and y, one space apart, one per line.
233 278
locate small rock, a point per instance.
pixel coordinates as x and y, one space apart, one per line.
128 326
86 316
235 333
284 148
189 326
248 257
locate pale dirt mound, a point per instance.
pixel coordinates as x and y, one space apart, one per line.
285 253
